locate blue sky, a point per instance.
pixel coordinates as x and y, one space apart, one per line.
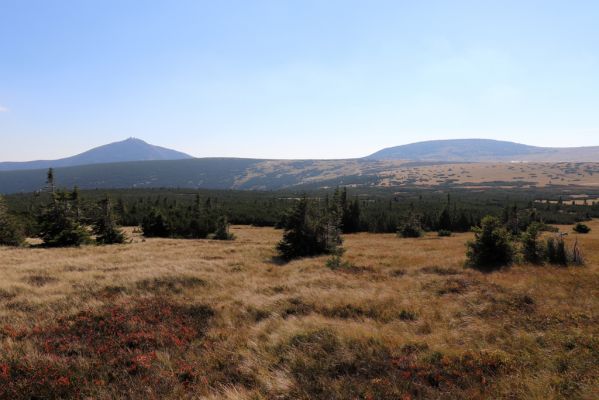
294 79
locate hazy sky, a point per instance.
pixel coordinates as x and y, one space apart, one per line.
296 78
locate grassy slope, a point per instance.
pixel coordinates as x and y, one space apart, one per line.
408 322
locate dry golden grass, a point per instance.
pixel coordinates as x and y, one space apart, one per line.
406 321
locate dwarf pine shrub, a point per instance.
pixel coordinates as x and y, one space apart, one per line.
581 228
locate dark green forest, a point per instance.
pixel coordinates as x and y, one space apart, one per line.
371 209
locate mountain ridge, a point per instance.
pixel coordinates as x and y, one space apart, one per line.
131 149
467 162
484 150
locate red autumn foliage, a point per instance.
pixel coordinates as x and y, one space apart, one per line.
115 342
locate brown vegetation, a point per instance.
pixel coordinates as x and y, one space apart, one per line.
401 173
165 318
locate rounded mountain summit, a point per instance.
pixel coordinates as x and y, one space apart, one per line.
131 149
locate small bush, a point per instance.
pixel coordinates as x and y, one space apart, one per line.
411 228
222 229
444 233
581 228
336 261
491 247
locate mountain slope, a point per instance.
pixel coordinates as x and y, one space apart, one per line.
209 173
127 150
483 150
253 174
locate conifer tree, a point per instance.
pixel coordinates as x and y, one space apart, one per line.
311 231
155 225
332 219
350 213
532 250
445 220
59 221
105 227
199 224
50 180
491 247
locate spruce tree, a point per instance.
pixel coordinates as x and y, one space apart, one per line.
532 250
491 247
299 240
50 180
199 226
59 221
310 231
155 225
105 227
445 220
332 219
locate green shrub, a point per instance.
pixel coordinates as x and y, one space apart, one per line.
444 233
222 229
581 228
411 228
491 247
336 260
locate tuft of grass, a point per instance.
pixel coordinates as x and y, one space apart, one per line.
39 280
440 270
169 284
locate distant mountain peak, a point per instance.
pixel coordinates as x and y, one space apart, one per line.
481 150
130 149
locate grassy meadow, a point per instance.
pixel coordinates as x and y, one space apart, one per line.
202 319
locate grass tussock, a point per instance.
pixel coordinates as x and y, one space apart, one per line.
204 319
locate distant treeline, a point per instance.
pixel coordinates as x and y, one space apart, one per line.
364 209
